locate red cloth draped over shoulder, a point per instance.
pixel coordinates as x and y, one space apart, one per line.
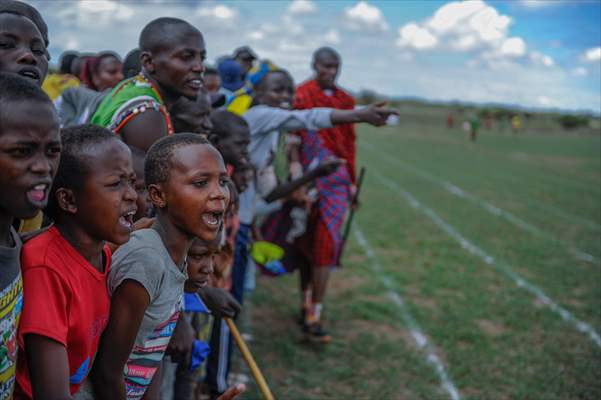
340 139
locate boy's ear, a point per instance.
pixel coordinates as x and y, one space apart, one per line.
157 195
66 200
147 61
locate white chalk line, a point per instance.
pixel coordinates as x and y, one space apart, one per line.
579 325
492 209
416 333
550 209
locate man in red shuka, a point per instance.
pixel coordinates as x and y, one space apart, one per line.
323 238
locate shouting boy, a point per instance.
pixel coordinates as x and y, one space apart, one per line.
29 156
186 181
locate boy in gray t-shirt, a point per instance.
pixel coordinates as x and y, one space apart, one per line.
145 259
186 180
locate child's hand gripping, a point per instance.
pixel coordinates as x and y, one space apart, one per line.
220 302
181 343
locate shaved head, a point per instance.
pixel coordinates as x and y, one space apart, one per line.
324 54
162 33
326 64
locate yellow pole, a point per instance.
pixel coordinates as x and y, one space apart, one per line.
250 361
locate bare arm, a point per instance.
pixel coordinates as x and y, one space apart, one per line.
128 304
375 114
287 188
145 129
153 391
48 368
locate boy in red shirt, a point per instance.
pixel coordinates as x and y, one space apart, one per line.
66 301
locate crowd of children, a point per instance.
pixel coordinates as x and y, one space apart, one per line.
131 193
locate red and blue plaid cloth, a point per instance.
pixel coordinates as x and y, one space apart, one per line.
332 200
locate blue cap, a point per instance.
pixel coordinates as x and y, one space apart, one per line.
231 75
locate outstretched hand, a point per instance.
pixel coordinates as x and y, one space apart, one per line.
376 114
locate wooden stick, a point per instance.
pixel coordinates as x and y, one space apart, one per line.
250 361
349 221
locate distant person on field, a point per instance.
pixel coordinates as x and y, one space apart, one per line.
516 124
474 125
450 120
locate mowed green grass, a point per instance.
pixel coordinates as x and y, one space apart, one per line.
495 339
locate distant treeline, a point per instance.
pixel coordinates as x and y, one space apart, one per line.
567 121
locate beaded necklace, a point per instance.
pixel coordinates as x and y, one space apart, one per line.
141 107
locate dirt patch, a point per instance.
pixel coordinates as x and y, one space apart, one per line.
423 302
491 328
356 327
344 280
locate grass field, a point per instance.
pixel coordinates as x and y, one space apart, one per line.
473 272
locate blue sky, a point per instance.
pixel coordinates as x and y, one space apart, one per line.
534 53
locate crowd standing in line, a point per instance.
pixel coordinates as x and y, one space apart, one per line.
132 193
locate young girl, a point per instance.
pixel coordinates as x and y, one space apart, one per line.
66 302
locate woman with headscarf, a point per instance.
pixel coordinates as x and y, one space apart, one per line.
102 72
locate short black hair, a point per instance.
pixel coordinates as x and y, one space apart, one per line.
260 85
132 64
159 33
225 122
159 158
66 60
324 52
27 11
72 169
15 88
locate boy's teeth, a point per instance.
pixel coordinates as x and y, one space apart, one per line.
210 219
40 187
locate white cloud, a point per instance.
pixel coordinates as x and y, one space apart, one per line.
332 36
592 55
541 59
460 26
219 11
580 71
302 7
513 47
544 101
99 7
365 17
411 35
71 43
256 35
472 27
100 13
